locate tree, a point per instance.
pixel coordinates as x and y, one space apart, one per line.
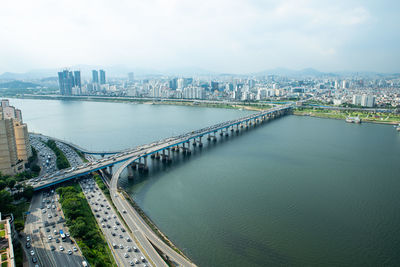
2 185
5 201
28 192
11 182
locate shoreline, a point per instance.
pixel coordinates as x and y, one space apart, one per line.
150 101
362 120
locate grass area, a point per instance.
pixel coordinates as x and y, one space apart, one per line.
62 161
4 256
2 226
83 226
4 264
2 233
366 116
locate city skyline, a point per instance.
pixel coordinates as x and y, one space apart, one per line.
240 37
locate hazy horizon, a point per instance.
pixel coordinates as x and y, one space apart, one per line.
236 37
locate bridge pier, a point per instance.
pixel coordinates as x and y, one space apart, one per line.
110 170
157 155
200 143
237 128
130 171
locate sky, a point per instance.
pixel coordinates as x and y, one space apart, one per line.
229 36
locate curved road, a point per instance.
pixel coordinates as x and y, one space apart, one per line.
138 226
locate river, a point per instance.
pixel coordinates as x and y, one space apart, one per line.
296 191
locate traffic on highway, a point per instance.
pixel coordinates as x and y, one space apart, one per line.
123 245
47 241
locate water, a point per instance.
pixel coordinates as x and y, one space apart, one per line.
296 191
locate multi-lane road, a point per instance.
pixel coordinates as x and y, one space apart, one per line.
139 227
42 229
123 245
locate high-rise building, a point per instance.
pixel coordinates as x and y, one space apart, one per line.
102 77
368 101
356 100
95 76
173 84
15 148
66 82
77 79
131 76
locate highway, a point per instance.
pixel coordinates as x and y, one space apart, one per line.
40 242
123 245
137 225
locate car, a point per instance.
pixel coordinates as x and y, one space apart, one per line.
74 249
142 259
114 245
57 240
50 238
98 215
34 260
47 229
124 211
114 216
126 255
131 263
69 252
52 248
136 260
112 233
32 252
103 225
120 236
28 245
115 227
128 239
135 249
43 211
129 249
49 216
123 230
117 223
72 241
67 234
55 232
121 246
28 238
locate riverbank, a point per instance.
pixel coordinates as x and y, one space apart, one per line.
380 118
150 101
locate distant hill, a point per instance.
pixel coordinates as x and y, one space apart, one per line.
18 85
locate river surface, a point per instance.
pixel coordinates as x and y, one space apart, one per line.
297 191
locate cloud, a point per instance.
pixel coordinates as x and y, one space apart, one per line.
236 36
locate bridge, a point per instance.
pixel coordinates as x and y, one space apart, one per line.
159 149
137 158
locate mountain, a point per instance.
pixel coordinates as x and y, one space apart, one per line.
18 85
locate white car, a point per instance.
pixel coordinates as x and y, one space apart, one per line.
61 248
50 237
32 252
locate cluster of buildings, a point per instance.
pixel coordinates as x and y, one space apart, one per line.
357 91
70 83
15 148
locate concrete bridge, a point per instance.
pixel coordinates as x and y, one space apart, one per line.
137 158
161 149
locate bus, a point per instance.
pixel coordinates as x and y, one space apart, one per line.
62 234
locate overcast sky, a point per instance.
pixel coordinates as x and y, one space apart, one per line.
238 36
